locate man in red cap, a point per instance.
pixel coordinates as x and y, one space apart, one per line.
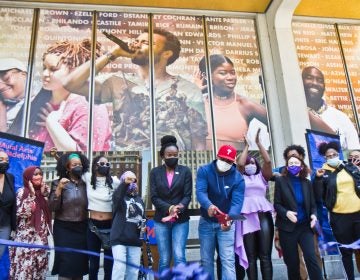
220 192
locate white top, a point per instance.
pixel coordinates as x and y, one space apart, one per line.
100 199
343 126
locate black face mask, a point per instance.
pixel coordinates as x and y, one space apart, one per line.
103 170
4 166
77 171
171 162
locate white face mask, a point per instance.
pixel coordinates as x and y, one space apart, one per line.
333 162
223 166
250 169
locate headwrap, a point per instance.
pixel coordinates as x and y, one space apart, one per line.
40 201
73 155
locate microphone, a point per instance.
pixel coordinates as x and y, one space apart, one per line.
118 41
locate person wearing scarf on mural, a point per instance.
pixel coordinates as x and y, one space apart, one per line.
100 186
295 207
33 225
171 190
7 200
129 213
68 200
254 236
337 184
58 117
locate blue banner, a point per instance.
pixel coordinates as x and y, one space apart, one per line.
22 153
313 140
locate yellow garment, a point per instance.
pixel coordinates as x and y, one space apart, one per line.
346 200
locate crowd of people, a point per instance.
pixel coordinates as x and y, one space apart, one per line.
94 210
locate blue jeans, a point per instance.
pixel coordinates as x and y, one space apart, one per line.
124 255
209 234
171 241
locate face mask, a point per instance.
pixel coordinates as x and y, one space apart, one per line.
223 166
103 170
77 171
171 162
333 161
4 166
250 169
294 169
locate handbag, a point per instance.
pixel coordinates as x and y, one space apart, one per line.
102 234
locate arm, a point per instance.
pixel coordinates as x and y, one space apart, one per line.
280 209
317 123
266 168
253 110
237 197
77 80
201 189
118 196
159 203
187 189
56 193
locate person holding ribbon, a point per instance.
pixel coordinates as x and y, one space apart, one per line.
337 185
100 186
171 189
254 236
295 206
129 217
220 192
33 225
69 202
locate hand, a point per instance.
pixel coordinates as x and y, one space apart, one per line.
54 153
44 189
356 162
31 188
199 79
313 220
63 183
320 172
212 210
291 215
44 113
129 180
225 227
257 137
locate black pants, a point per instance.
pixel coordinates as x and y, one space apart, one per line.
258 245
94 244
302 235
346 229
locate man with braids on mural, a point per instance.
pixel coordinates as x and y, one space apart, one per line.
179 106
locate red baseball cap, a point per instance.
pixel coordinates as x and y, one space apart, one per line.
227 152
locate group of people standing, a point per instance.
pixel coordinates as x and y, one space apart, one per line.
236 217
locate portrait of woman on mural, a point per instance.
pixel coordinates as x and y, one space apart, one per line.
227 102
58 117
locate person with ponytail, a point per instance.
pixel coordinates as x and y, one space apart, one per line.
33 225
295 207
171 188
337 185
254 236
100 186
69 202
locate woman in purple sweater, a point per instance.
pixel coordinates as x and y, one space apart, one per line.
254 236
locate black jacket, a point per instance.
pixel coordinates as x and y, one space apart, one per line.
163 197
284 200
10 210
128 211
325 187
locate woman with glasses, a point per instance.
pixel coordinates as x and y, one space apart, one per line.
100 188
33 225
337 185
69 202
295 207
171 189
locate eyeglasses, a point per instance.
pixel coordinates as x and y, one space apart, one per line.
101 163
334 155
